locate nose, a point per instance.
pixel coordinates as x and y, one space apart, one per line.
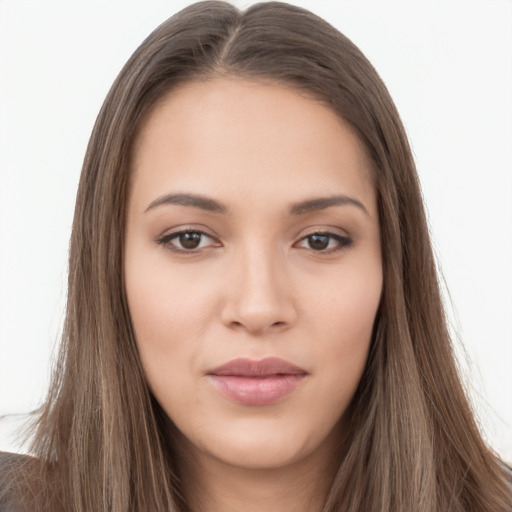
259 295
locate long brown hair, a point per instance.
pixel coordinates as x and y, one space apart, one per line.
103 441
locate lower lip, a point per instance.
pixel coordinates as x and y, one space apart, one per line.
256 390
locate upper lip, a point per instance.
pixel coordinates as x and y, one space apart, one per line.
257 368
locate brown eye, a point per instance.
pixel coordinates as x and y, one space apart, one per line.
190 240
187 241
324 242
318 242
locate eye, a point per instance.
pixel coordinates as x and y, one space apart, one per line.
324 242
189 240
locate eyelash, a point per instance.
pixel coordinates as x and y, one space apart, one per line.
343 242
167 239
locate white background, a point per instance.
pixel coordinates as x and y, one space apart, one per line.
448 65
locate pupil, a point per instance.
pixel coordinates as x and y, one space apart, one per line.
318 242
190 240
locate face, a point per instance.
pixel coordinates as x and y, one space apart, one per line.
253 269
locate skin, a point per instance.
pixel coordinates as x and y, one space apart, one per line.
256 286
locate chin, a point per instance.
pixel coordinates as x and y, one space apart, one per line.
260 455
266 446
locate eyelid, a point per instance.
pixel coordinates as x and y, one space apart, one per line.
344 240
329 230
169 235
323 229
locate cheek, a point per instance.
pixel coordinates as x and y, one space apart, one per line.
163 329
345 316
348 301
168 313
165 302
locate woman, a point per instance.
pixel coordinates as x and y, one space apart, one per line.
253 319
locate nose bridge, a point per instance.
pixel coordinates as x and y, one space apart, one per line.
260 298
258 273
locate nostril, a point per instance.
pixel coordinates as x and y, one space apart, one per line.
237 325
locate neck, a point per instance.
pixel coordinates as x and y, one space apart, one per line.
228 489
303 486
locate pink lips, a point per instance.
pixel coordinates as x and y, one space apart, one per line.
252 382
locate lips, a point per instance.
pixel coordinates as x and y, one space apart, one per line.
252 382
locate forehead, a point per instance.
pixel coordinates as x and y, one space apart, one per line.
227 135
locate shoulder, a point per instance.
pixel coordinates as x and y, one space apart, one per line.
11 469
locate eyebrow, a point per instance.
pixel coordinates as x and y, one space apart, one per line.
321 203
212 205
195 201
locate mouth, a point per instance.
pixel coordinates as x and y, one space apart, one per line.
251 382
